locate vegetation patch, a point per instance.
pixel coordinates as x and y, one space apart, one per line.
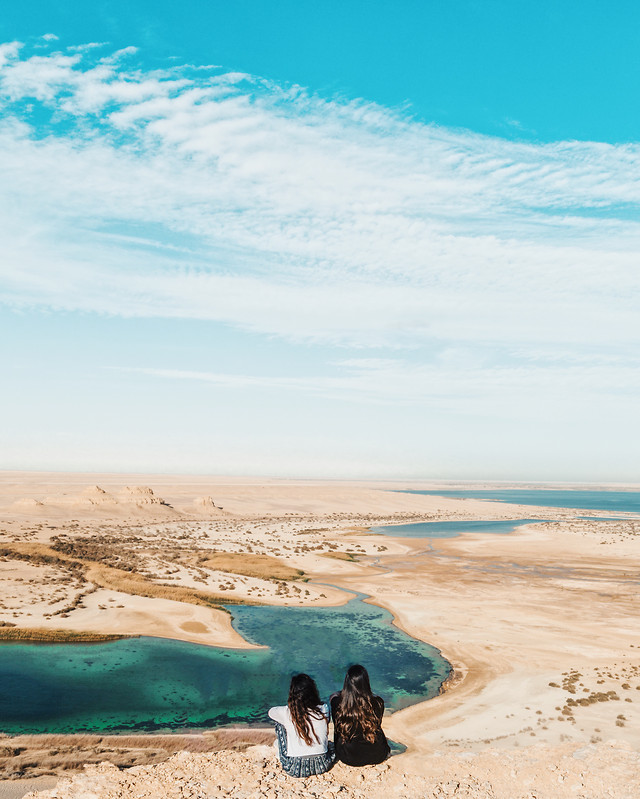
41 634
350 556
112 578
104 549
264 567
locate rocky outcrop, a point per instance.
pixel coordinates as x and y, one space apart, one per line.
141 495
581 772
206 505
90 496
130 500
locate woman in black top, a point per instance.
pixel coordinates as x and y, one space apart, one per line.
357 716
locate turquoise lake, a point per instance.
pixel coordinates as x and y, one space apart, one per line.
450 529
147 684
612 501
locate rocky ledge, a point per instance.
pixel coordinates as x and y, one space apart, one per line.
581 772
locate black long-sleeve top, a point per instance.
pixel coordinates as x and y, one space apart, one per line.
357 751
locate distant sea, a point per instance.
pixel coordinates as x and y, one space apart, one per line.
451 529
611 501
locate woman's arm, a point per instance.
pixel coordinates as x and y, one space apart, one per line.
334 701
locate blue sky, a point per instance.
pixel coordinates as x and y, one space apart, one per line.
548 70
345 240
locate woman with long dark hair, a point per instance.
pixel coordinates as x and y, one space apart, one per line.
302 730
357 719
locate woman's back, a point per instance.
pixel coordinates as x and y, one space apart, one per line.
302 730
296 746
357 716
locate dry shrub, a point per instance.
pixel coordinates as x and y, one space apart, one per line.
111 578
264 567
340 556
39 553
136 584
55 636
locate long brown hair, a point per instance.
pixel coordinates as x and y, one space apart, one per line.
358 709
304 704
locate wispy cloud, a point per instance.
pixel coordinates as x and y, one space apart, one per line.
455 382
223 196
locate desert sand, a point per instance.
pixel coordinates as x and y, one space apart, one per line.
540 626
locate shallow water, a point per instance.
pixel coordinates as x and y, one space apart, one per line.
450 529
614 501
151 684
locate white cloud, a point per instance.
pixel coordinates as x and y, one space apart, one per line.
9 52
476 387
227 197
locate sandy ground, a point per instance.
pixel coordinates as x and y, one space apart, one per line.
157 529
16 789
541 626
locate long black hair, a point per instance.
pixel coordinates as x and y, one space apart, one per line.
304 704
358 709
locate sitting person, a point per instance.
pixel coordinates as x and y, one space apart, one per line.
357 718
302 729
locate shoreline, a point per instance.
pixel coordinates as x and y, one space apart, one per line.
473 677
350 595
505 611
459 668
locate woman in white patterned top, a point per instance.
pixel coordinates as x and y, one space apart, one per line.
302 729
